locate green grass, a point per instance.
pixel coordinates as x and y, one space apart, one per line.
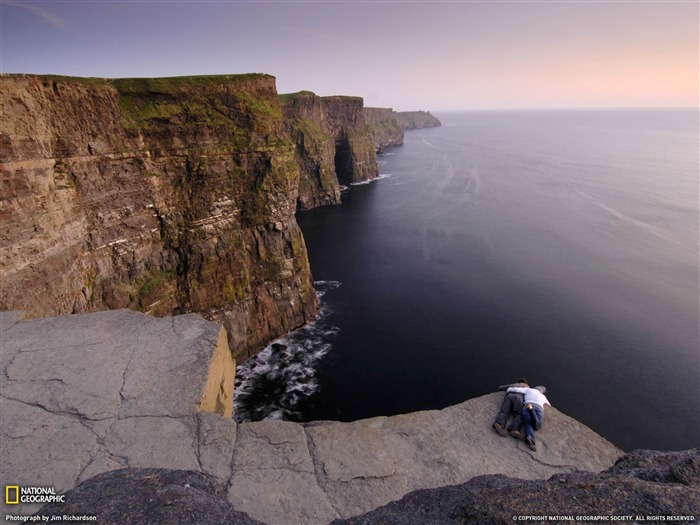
174 84
287 97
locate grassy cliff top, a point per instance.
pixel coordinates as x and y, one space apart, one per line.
287 97
154 84
164 84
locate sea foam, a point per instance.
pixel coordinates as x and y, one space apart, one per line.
272 384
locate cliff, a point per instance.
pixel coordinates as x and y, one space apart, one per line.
305 122
355 159
89 394
386 130
417 119
162 195
333 145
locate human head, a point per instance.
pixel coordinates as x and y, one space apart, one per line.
522 380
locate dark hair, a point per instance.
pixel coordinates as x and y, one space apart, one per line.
522 380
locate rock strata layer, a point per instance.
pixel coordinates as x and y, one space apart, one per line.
88 394
162 195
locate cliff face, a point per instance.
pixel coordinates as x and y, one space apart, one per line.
355 159
384 126
417 119
333 145
161 195
305 122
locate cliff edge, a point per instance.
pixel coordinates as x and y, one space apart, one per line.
94 393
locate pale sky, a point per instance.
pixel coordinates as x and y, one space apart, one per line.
406 55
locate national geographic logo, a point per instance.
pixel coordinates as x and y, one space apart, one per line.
14 495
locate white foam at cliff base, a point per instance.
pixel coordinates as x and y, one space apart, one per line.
370 181
273 383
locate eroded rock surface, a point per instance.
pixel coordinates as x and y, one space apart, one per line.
86 394
642 483
150 496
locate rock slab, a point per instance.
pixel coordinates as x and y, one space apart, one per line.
642 483
86 394
150 496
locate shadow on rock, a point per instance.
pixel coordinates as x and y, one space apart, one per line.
150 496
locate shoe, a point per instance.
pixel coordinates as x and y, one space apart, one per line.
531 443
516 434
498 428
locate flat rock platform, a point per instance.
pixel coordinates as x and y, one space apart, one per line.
89 393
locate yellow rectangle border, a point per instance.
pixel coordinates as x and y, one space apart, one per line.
7 495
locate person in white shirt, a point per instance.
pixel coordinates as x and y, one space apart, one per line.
533 411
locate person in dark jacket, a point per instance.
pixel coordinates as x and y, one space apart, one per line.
533 410
512 406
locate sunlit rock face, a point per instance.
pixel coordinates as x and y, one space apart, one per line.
162 195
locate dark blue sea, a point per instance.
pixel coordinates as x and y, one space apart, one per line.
561 246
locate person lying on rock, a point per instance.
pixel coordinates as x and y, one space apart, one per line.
512 406
533 411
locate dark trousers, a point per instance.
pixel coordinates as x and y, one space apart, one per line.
533 421
512 405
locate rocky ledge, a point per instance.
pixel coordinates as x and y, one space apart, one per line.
87 394
643 483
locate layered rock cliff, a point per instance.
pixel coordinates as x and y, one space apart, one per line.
333 145
305 121
417 119
161 195
386 130
355 159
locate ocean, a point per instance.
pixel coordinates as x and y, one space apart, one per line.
561 246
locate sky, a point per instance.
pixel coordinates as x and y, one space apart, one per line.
434 56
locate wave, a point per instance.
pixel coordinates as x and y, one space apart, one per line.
649 228
370 181
272 384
